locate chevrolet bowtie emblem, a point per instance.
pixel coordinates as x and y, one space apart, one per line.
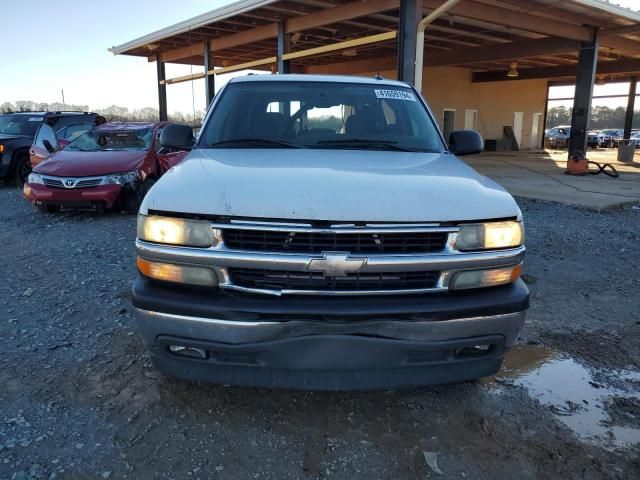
336 264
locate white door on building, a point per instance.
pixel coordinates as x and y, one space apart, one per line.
518 120
470 119
535 130
448 122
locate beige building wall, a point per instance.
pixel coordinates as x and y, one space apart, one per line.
495 102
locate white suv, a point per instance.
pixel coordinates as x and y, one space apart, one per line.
323 235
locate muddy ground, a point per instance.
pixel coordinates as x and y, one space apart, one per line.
79 398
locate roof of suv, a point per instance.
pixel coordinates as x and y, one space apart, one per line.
46 114
294 77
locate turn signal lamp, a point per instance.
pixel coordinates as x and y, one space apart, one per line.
485 278
169 272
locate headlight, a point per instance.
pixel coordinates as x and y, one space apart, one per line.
35 179
120 178
488 236
169 272
176 231
485 278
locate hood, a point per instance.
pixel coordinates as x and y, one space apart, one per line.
337 185
68 163
4 137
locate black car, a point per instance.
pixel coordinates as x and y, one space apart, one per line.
17 131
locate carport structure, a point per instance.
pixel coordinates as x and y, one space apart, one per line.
492 58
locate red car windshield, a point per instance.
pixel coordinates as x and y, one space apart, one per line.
103 141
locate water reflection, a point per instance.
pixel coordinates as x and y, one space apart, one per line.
569 390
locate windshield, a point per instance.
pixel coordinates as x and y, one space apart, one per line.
101 140
320 115
20 124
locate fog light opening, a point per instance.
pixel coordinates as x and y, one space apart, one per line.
190 352
483 348
475 350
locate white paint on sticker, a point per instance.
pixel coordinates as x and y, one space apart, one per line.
395 95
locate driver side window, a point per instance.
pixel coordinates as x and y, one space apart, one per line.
45 132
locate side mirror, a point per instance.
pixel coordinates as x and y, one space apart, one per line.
178 137
48 146
465 142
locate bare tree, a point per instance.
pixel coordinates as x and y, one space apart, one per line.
113 113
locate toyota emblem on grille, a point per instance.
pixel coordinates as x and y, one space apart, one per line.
70 182
336 264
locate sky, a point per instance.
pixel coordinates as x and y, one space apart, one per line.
49 46
63 44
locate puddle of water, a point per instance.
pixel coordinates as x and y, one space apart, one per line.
569 390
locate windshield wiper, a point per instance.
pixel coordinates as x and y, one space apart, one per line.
254 142
364 142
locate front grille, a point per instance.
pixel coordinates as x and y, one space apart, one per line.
53 182
291 280
88 183
312 242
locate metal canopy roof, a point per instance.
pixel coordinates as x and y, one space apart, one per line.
482 35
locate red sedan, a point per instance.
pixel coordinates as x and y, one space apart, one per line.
111 166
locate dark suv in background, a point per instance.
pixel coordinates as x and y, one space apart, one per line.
18 130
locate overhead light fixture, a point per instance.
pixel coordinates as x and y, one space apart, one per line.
513 70
350 52
152 46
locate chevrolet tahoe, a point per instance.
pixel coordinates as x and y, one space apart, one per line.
322 234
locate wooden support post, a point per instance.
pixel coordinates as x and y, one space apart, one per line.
628 119
284 44
162 90
410 16
210 79
585 80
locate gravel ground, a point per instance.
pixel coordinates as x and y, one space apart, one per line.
79 398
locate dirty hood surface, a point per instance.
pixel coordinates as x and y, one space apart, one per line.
339 185
68 163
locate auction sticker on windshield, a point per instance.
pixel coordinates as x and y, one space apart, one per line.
395 95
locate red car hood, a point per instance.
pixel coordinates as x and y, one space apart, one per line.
68 163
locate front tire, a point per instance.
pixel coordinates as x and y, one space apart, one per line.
130 203
22 169
144 189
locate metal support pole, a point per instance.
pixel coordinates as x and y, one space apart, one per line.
585 80
410 15
544 117
162 90
209 79
284 45
628 119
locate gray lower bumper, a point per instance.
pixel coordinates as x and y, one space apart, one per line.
154 324
330 355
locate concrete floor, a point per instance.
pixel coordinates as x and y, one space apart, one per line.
540 175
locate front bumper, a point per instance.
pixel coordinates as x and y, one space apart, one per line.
106 195
342 344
